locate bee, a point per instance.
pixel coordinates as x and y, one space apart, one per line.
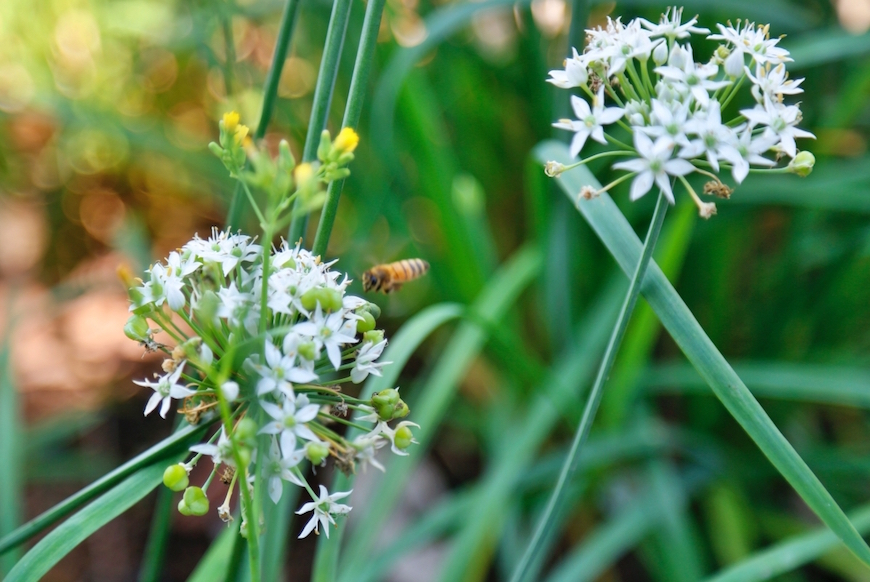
391 276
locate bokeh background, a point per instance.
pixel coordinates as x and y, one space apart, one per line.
106 108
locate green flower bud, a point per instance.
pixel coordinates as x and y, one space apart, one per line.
286 161
137 328
207 306
196 501
309 299
245 456
325 146
175 477
142 309
374 336
316 452
372 308
384 403
183 509
246 431
308 350
331 300
802 164
367 323
389 396
404 437
216 149
190 348
401 410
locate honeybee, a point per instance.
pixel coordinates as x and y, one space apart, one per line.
391 276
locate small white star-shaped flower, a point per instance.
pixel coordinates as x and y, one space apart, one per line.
165 388
324 507
589 121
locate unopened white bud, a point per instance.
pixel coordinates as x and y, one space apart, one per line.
734 64
678 57
660 54
230 390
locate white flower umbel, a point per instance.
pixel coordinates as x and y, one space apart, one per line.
277 336
679 111
324 507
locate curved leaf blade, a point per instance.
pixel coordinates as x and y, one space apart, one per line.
53 547
614 231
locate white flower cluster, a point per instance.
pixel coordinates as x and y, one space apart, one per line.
288 363
673 105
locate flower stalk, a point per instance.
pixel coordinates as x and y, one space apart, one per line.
594 399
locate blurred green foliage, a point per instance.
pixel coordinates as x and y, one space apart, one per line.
106 108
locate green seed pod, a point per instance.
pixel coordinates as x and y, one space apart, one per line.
137 328
309 299
802 164
308 350
183 509
389 396
401 410
367 323
207 306
246 431
175 477
331 299
245 456
374 336
316 452
372 308
196 500
404 437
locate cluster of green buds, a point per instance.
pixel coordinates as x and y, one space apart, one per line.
284 182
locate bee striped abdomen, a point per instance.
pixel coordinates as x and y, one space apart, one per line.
391 276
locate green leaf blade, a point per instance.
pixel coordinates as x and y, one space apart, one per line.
615 232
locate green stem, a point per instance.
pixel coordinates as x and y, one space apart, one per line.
226 18
352 112
155 550
322 97
594 399
270 92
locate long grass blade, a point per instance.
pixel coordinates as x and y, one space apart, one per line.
11 453
615 232
181 439
790 554
53 547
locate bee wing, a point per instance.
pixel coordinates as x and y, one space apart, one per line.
392 288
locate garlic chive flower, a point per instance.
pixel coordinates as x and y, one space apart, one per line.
324 507
273 350
165 389
589 120
679 111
